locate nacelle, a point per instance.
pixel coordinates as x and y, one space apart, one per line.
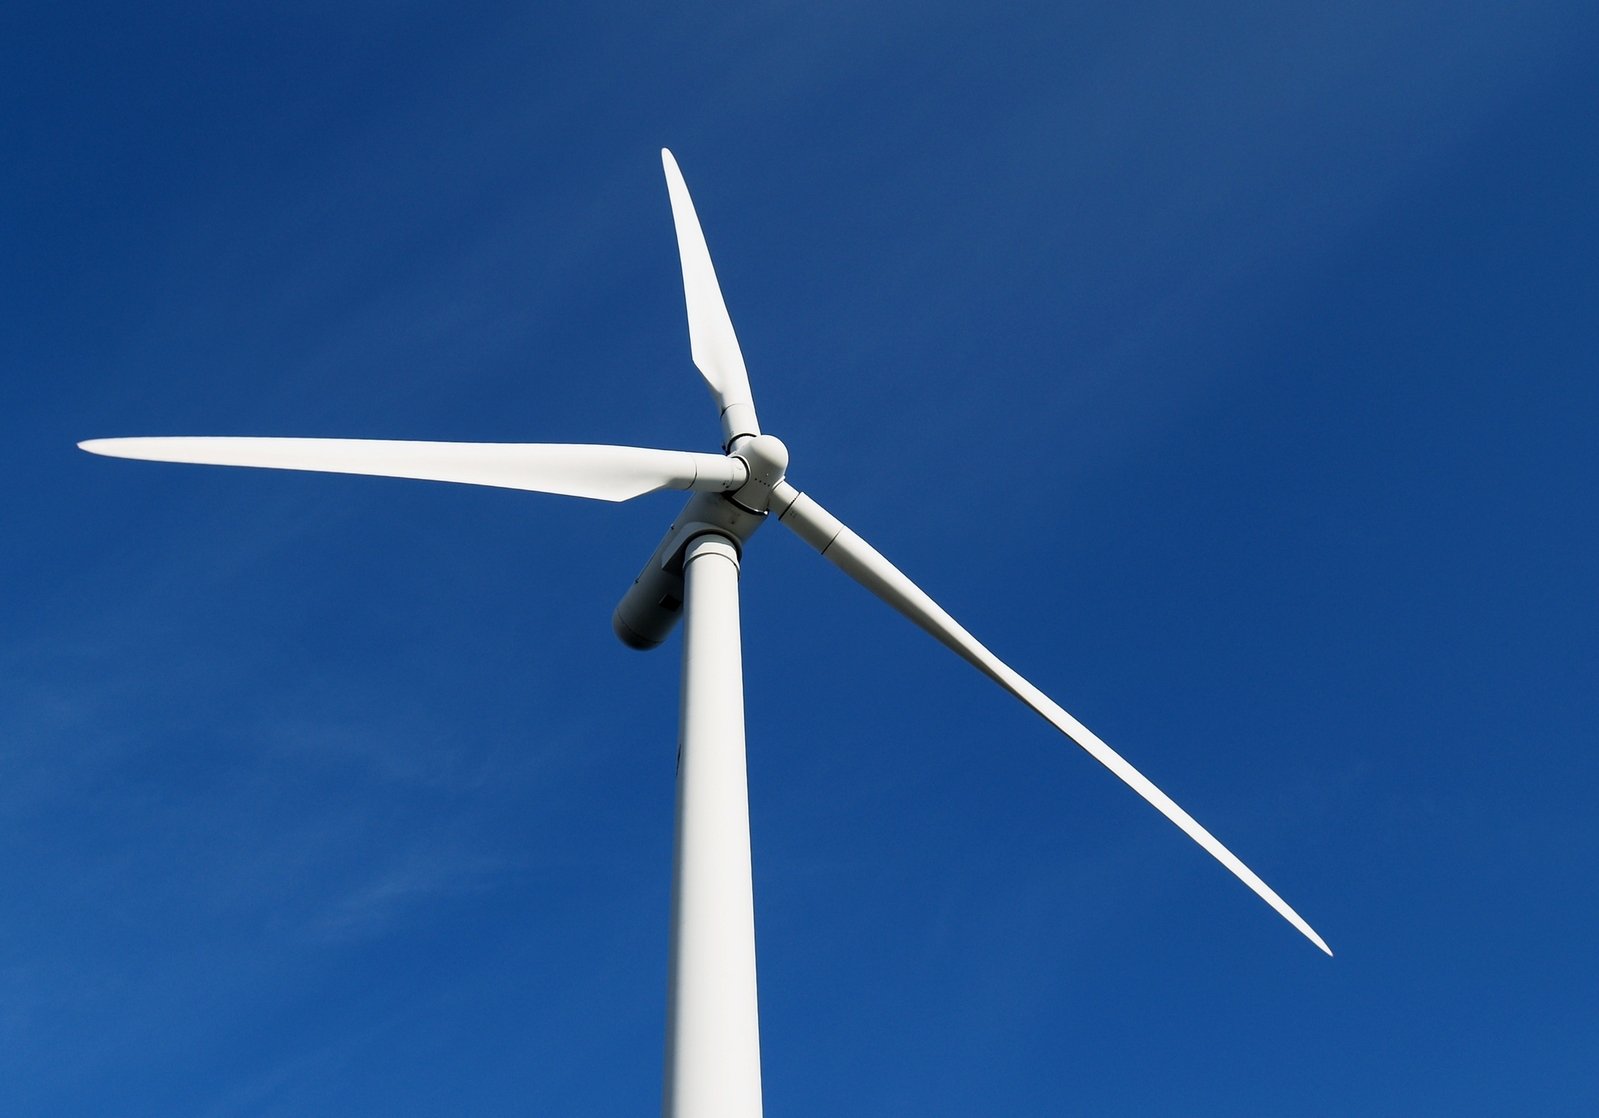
652 606
648 611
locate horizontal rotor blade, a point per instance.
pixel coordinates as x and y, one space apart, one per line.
602 473
710 330
858 559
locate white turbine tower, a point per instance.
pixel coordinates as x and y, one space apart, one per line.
712 1041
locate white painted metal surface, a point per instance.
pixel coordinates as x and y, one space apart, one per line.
863 563
603 473
711 340
713 1047
713 1055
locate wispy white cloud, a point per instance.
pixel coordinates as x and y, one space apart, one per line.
401 888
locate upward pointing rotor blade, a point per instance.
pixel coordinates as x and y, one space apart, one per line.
710 331
603 473
858 559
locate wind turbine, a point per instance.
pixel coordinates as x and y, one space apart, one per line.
712 1043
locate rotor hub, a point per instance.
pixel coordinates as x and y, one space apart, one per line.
766 458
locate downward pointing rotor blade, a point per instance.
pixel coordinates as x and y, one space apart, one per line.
710 331
604 473
858 559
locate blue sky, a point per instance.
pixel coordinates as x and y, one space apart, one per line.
1229 372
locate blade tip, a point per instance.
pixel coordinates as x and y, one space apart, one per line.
1310 934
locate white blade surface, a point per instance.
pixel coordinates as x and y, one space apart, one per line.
710 331
858 559
603 473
